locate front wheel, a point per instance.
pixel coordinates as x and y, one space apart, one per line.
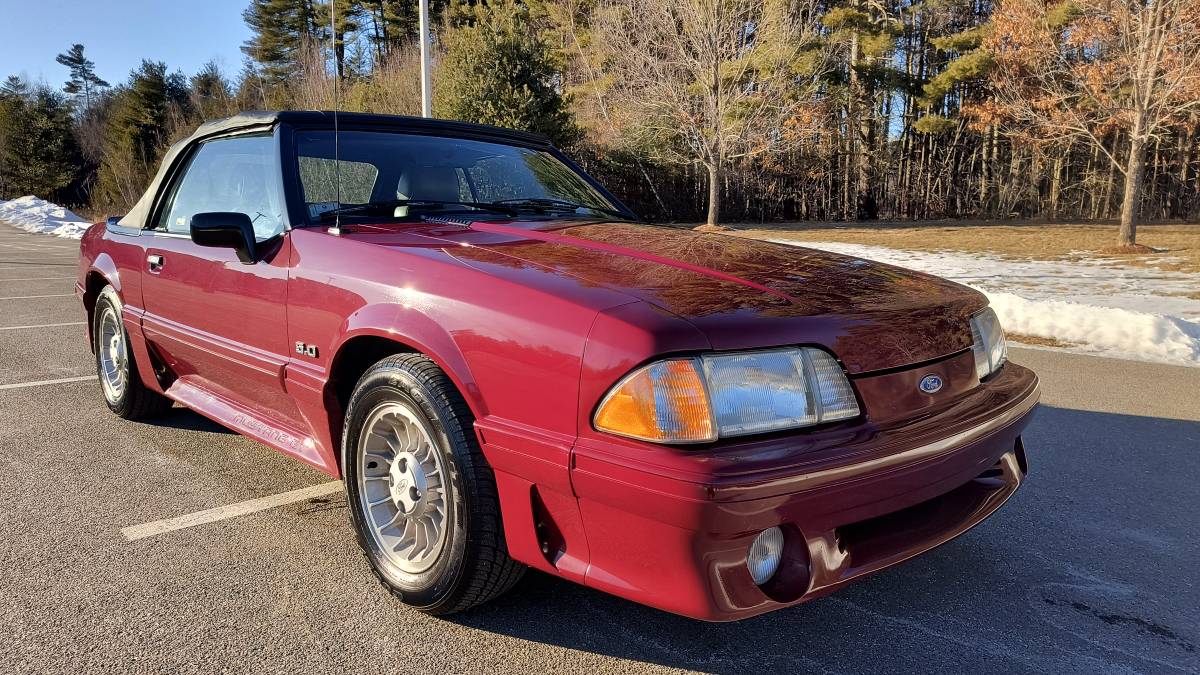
119 379
422 497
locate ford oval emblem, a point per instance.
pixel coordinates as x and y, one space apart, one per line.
931 384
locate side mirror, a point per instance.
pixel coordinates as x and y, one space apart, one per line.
226 230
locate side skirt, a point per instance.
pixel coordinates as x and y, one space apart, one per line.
189 391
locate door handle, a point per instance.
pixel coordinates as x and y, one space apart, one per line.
154 262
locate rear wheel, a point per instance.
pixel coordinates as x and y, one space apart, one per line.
422 497
119 379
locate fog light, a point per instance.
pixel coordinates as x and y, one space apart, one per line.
765 554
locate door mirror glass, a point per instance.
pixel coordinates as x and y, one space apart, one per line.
222 229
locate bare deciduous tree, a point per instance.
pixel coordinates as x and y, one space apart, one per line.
1087 69
710 82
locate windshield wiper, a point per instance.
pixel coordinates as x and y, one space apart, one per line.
548 203
393 203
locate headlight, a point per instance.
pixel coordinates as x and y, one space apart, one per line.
987 342
703 398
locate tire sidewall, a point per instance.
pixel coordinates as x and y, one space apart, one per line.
435 585
108 299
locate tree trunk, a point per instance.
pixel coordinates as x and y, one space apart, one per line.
854 169
1106 210
1056 183
1135 168
714 194
379 25
1184 158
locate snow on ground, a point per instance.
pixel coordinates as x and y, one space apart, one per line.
38 215
1100 306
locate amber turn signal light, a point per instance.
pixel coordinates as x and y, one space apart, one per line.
664 402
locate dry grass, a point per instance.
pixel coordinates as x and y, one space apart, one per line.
1038 341
1175 246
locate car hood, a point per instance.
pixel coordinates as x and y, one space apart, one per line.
742 293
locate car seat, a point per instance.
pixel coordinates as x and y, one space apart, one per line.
433 183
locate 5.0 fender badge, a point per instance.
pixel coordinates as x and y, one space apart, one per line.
931 384
306 350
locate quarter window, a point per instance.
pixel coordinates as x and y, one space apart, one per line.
228 174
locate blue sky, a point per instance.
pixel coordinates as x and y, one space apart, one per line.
118 34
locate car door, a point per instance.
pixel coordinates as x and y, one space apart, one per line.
221 324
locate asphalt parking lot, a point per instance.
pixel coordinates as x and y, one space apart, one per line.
1093 566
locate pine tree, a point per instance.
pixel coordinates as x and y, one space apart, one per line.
14 86
211 96
41 155
135 134
345 22
498 71
13 95
281 29
864 35
84 82
395 22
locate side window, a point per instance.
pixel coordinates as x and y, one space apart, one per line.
500 178
228 174
319 179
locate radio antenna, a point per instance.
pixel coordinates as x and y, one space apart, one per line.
337 162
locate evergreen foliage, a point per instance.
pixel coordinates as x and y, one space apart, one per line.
497 70
14 86
136 132
38 151
395 22
281 30
83 83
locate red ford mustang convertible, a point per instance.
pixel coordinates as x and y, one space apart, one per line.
509 371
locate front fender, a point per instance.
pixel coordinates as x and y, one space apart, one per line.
317 391
407 325
101 272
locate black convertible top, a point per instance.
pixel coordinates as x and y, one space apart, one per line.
265 119
262 118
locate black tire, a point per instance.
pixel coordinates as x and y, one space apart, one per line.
473 566
135 401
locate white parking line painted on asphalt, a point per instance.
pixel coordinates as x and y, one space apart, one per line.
34 297
56 259
43 325
42 383
157 527
41 279
27 270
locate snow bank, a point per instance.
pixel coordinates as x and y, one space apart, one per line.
1118 332
40 216
1103 307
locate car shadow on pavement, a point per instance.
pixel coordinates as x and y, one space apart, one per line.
1045 584
185 419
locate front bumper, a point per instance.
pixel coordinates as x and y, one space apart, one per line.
849 505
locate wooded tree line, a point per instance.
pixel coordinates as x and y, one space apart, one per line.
734 110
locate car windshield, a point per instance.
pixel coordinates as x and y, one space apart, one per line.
402 175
